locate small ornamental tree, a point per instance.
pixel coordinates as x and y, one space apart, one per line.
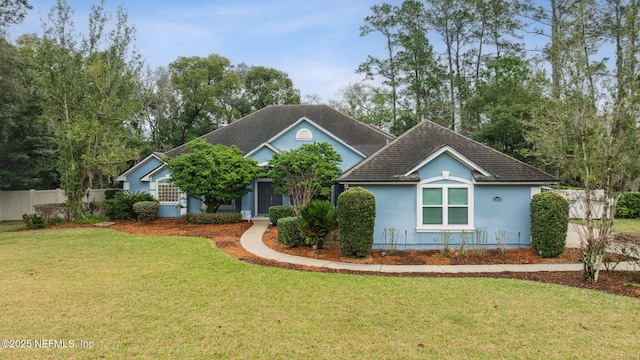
216 173
306 173
356 218
549 223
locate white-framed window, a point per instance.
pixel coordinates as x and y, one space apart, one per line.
445 207
167 192
304 135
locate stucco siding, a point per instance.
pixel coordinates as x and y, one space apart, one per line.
445 162
287 141
396 215
133 179
504 208
264 154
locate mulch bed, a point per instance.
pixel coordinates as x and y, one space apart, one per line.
227 238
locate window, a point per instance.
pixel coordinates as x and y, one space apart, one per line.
168 192
445 207
304 135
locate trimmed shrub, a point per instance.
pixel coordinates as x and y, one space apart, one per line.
629 206
289 231
53 213
121 208
34 221
319 220
280 211
146 211
356 218
217 218
549 223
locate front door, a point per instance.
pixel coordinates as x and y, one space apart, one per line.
267 197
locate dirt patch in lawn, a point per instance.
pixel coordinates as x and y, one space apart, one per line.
227 238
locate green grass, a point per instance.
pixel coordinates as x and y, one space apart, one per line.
619 225
6 226
626 225
179 298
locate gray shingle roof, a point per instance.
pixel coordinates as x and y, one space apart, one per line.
426 138
253 130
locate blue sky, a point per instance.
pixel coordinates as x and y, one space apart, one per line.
317 42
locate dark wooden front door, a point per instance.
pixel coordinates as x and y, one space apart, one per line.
267 197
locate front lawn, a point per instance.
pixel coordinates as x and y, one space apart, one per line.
6 226
135 296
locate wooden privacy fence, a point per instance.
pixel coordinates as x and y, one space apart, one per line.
13 204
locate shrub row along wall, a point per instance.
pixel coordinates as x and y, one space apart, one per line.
13 204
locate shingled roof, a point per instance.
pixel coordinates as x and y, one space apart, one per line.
394 161
255 129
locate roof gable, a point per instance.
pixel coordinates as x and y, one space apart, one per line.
317 127
399 160
250 132
453 153
156 156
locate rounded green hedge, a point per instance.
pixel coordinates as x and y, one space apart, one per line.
356 218
278 212
289 231
549 223
146 211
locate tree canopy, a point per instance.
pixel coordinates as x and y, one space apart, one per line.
89 87
306 173
215 173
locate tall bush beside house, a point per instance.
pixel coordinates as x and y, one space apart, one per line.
289 231
319 219
356 218
549 223
280 211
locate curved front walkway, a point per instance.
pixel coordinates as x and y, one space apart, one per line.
251 240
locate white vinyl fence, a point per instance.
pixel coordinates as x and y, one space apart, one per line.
13 204
577 203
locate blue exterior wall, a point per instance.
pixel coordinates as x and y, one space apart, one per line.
262 155
496 208
445 162
287 141
133 179
396 210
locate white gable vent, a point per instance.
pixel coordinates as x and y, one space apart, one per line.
304 135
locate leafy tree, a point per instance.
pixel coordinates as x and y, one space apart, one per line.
383 21
13 11
590 131
27 149
306 173
157 120
504 102
365 103
216 173
265 86
421 74
90 94
202 84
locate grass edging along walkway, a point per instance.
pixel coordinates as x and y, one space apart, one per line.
251 240
169 297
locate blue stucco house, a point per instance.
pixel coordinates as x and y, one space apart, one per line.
273 129
432 183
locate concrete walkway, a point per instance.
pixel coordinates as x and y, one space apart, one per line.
251 240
